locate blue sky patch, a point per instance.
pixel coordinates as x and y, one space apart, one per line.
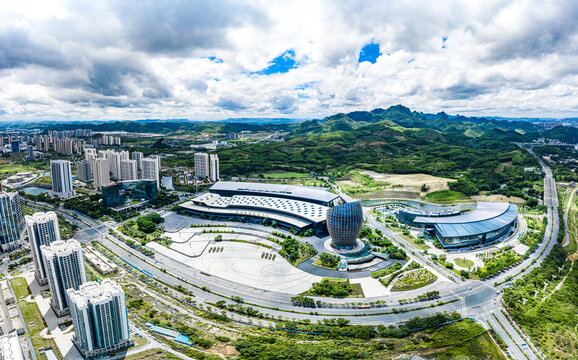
369 52
281 64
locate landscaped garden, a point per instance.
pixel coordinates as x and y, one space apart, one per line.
414 280
32 318
335 288
465 263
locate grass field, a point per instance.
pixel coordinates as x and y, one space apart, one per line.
33 319
20 287
446 197
319 263
413 242
414 280
285 175
465 263
8 168
152 354
480 347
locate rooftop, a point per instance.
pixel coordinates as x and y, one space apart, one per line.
486 217
93 291
302 209
296 191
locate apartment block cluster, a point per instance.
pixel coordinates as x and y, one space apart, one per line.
103 166
108 140
95 308
206 168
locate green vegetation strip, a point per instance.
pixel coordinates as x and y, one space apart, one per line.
32 318
502 326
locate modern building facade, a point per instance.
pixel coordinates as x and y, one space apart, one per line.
64 262
15 146
128 170
290 206
202 166
43 229
150 170
12 221
100 169
84 171
119 193
214 173
488 223
100 319
61 179
344 224
138 156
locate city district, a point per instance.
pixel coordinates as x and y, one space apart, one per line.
252 251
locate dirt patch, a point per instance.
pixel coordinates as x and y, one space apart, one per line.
227 350
411 182
499 198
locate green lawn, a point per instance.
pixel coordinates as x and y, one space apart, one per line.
33 319
465 263
8 168
20 287
413 242
285 175
446 197
320 263
414 280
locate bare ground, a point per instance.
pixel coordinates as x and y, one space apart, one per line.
499 198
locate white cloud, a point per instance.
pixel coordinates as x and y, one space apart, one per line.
147 59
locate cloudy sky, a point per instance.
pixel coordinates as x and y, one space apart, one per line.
136 59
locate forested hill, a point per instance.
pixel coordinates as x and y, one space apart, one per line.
402 116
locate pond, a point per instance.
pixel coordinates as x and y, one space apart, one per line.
34 190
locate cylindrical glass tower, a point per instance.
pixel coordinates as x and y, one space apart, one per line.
344 223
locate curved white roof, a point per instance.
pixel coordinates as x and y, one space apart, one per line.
306 210
294 191
486 217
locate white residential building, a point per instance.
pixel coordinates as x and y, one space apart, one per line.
90 153
150 170
201 165
100 318
138 156
128 170
64 262
10 347
101 172
115 163
43 229
61 179
214 173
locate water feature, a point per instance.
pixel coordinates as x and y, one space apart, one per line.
34 190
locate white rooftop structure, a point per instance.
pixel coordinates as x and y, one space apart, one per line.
302 209
10 347
307 193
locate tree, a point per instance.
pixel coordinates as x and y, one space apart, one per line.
146 226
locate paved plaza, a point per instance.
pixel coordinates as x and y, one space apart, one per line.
242 263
